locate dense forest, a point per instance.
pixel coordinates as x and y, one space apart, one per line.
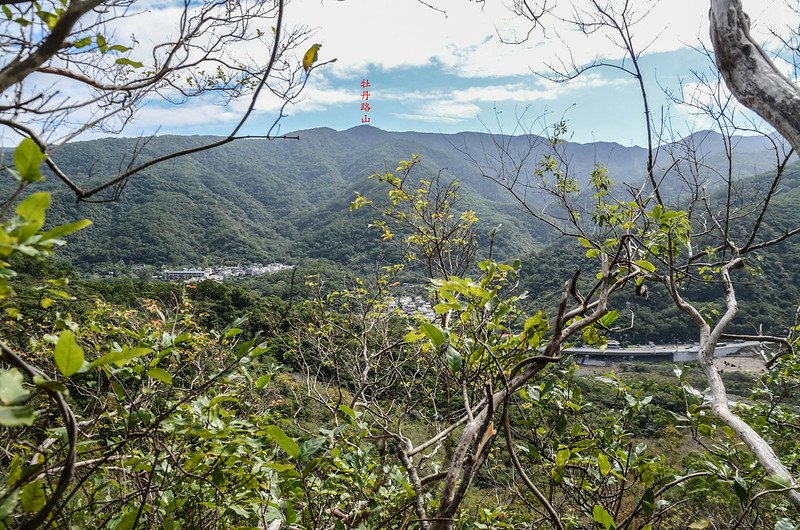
298 214
261 200
314 397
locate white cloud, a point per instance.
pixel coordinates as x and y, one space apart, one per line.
450 105
403 33
393 34
315 99
463 104
319 94
172 117
499 93
407 95
540 90
702 107
443 112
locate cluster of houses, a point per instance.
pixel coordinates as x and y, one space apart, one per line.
412 305
220 272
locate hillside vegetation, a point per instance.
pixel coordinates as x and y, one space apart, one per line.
286 200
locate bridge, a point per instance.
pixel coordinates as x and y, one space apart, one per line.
677 353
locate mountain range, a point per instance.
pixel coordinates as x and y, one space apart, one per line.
287 200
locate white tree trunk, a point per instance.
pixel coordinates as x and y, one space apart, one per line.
709 337
763 452
755 81
750 74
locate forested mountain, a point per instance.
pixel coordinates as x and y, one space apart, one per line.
284 200
287 200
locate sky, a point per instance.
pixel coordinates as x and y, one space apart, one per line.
449 72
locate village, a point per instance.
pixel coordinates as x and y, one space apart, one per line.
412 305
220 272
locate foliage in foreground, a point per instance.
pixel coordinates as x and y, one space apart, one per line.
139 419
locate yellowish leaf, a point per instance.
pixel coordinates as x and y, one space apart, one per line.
311 56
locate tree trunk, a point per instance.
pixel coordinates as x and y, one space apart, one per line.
749 73
763 452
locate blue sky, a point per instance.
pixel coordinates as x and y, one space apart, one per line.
436 73
604 105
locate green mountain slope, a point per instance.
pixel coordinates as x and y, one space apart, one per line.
286 200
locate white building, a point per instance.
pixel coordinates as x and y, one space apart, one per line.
184 275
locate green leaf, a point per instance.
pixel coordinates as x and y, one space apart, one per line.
34 207
347 410
32 496
433 333
310 447
14 471
604 464
16 416
263 381
785 524
8 505
49 384
27 159
533 321
232 332
740 488
705 429
442 308
11 390
160 375
453 359
127 521
776 482
645 265
118 389
609 318
702 524
128 62
69 355
82 43
63 230
48 18
119 357
101 43
281 468
648 501
413 336
284 442
63 295
602 517
562 457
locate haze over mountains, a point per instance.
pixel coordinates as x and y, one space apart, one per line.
285 200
